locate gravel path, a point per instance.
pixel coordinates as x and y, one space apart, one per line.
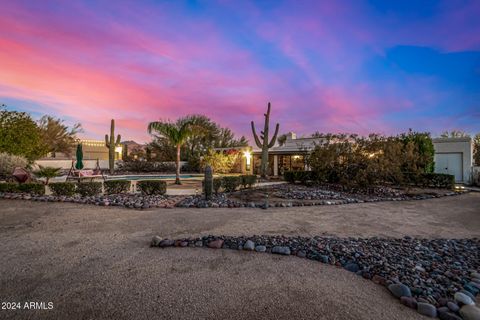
94 262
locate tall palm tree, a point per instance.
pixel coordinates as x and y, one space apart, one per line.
176 133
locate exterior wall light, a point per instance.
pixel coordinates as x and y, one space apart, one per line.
248 158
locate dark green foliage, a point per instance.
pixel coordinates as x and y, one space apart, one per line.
151 187
116 186
20 135
248 180
32 188
424 149
436 180
63 188
231 183
91 188
8 187
146 166
301 176
217 184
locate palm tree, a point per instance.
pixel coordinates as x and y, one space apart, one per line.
47 173
57 137
176 133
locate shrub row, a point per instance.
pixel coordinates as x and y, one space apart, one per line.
32 188
433 180
232 183
116 186
152 187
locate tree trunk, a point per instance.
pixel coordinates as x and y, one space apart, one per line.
177 164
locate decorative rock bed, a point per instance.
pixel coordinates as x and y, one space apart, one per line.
133 201
286 196
438 277
299 196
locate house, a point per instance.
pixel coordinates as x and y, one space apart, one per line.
454 156
290 156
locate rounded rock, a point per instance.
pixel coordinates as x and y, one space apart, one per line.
400 290
470 312
427 309
463 299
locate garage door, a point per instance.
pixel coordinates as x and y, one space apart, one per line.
450 163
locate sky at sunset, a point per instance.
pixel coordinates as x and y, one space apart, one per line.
332 66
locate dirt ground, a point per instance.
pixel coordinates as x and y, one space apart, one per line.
95 263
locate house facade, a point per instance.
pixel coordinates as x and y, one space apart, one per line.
452 156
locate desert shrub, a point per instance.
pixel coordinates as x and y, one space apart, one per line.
32 188
63 188
231 183
151 187
436 180
116 186
89 188
367 161
303 177
217 184
9 187
9 162
146 166
248 180
221 161
47 173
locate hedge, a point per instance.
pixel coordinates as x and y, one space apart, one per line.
32 188
433 180
248 180
436 180
8 187
63 188
86 189
231 183
116 186
151 187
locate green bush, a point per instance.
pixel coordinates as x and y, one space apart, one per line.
151 187
217 184
116 186
301 176
231 183
63 188
437 180
9 187
32 188
248 180
86 189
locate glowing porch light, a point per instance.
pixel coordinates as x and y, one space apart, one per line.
248 158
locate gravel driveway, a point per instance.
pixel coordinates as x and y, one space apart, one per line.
95 263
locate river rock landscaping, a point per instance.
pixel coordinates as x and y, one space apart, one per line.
437 277
288 195
132 201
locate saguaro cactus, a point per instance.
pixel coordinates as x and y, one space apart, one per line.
110 143
208 183
263 142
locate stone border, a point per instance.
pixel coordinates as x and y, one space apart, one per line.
375 259
172 201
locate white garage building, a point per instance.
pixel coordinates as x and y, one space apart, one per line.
454 156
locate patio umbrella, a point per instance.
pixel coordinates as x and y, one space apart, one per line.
79 164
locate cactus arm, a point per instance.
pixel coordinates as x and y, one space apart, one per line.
257 140
118 140
274 138
107 144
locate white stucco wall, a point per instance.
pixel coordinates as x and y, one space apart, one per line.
457 145
66 164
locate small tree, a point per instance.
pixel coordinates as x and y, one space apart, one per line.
57 136
20 135
476 149
47 173
175 133
9 162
